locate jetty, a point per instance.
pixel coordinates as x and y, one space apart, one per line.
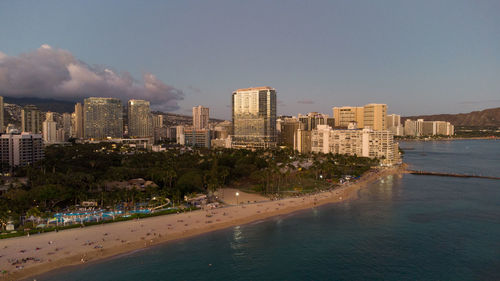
440 174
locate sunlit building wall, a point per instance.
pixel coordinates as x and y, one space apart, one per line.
139 119
254 118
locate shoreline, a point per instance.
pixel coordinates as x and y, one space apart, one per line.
449 139
56 250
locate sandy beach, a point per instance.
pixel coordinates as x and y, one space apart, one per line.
24 257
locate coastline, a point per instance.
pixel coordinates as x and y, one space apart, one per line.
76 246
449 139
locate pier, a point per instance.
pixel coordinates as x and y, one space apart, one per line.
440 174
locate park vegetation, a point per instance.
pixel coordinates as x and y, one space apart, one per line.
72 174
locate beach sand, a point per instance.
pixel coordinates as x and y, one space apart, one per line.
49 251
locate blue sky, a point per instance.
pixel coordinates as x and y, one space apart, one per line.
419 57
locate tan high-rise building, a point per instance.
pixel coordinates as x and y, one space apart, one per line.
393 120
102 118
77 122
30 119
374 116
158 120
254 118
348 114
139 119
2 128
200 117
369 116
49 131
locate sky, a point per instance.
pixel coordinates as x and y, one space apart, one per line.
418 57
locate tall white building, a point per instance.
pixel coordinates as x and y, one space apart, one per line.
140 124
49 131
254 118
200 117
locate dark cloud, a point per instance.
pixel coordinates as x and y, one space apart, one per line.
55 73
305 102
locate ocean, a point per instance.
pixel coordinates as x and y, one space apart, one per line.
406 227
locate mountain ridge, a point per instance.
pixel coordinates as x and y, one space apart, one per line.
489 117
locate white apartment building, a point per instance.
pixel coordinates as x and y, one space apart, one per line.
21 149
366 143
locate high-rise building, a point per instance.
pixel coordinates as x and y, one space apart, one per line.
49 129
103 118
30 119
394 124
348 114
77 121
369 116
20 149
66 125
139 119
367 143
158 120
302 141
254 118
429 128
200 117
414 128
179 135
197 138
312 119
160 131
2 130
393 120
374 116
289 127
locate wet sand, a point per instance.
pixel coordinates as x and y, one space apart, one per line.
48 251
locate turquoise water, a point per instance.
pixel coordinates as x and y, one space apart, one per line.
402 228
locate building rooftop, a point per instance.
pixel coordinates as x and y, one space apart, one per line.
255 89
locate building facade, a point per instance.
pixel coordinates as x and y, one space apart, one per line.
200 117
21 149
49 130
197 138
31 119
103 118
77 122
2 128
254 118
139 119
365 143
374 116
348 114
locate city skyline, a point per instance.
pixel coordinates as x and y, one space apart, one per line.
402 54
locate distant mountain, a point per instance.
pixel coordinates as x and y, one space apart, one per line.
43 104
484 118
